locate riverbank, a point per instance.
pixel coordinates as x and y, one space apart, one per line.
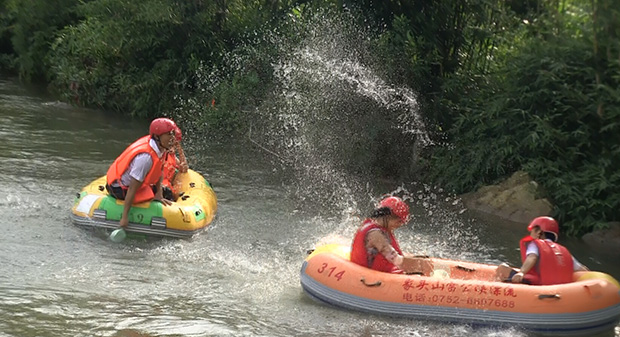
517 200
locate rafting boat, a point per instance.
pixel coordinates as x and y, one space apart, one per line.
193 211
463 292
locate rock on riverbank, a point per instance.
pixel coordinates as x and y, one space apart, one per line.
514 199
517 200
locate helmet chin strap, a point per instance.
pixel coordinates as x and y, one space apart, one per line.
158 140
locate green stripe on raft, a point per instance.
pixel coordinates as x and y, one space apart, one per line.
137 215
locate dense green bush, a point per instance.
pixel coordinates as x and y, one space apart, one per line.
33 25
545 109
138 57
503 85
7 53
122 57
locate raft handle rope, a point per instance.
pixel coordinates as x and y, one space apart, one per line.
544 296
471 270
376 284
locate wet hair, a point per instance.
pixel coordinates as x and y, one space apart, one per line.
380 212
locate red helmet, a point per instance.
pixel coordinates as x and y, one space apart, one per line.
397 206
547 224
159 126
177 134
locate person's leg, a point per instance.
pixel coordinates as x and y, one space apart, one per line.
116 192
504 273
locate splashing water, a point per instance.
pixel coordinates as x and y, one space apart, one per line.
313 66
332 118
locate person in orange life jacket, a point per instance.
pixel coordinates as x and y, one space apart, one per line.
375 246
544 260
136 175
172 166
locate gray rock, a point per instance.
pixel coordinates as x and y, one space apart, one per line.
605 240
515 199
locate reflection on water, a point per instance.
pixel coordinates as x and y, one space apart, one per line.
238 278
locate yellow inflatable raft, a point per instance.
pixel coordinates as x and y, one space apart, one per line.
193 211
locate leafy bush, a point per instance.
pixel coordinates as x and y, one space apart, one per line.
543 111
34 25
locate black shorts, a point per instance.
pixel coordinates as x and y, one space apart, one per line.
116 191
120 193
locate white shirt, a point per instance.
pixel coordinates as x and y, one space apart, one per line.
140 165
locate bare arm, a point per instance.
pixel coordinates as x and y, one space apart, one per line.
417 265
159 194
528 264
408 264
129 197
376 239
183 165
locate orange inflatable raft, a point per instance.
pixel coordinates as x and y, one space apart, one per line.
465 292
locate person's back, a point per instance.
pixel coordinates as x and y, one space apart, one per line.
545 261
140 161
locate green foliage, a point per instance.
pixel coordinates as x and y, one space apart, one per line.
224 106
34 25
243 79
119 57
7 54
437 47
505 85
138 57
547 109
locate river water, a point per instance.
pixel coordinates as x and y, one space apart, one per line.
240 277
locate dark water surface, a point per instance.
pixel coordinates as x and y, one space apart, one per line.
240 277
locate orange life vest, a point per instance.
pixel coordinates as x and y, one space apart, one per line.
121 164
361 256
170 169
554 265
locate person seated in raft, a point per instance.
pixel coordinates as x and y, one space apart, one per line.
375 246
136 175
544 260
172 166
